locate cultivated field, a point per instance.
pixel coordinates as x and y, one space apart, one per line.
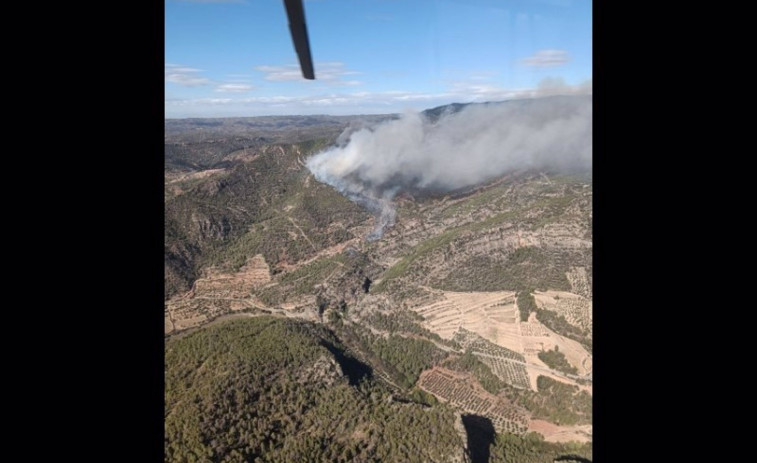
513 373
555 433
575 309
509 366
579 281
218 293
457 389
574 352
492 315
488 323
218 285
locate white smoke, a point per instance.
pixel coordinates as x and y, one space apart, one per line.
461 149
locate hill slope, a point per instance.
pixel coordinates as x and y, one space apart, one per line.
275 390
476 303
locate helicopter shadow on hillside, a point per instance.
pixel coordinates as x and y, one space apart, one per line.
480 433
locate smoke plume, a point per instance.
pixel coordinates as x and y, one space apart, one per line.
435 152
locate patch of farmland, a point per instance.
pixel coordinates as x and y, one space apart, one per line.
491 315
576 309
462 392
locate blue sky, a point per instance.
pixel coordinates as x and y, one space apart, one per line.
236 58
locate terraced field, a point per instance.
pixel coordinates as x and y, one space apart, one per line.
507 365
513 373
533 329
479 345
555 433
579 281
575 353
218 293
492 315
253 274
576 309
488 324
458 389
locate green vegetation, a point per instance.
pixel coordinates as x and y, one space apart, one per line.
422 397
524 268
268 205
526 304
302 280
268 390
494 197
561 326
337 279
556 360
401 358
557 402
401 267
553 321
552 211
510 448
405 322
409 356
483 374
527 202
439 242
295 227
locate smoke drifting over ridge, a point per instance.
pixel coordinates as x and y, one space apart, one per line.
461 149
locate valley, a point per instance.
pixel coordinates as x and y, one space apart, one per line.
474 302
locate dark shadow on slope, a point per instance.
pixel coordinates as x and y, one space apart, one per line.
355 370
572 459
480 432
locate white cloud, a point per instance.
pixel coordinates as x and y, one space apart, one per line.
184 75
363 102
557 86
331 73
191 77
281 73
234 88
547 58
